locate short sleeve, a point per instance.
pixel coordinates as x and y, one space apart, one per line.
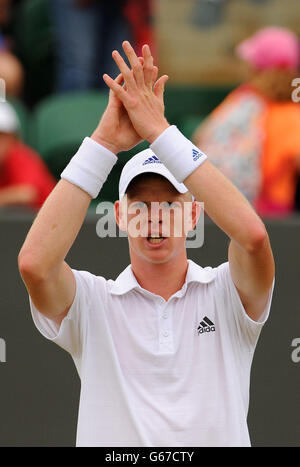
245 328
70 335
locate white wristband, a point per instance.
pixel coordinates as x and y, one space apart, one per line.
90 167
179 154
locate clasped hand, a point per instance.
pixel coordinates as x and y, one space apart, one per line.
135 110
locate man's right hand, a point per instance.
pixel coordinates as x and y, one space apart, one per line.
143 100
115 130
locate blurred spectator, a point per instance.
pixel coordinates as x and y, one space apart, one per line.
253 136
139 14
24 178
87 31
11 70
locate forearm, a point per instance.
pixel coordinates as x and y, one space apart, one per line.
54 230
226 206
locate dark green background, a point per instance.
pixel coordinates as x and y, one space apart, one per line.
39 386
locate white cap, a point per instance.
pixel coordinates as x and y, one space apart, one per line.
146 161
9 122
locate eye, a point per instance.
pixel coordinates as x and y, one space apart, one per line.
138 206
168 205
165 205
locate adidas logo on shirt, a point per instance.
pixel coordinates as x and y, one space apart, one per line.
152 160
206 325
196 154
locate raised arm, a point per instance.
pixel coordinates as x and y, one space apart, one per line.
47 277
250 255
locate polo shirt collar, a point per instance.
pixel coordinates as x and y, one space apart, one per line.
126 281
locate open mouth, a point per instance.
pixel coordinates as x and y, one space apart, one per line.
155 240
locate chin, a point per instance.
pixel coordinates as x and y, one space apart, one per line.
157 259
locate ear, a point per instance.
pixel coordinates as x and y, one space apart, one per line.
192 214
196 211
120 208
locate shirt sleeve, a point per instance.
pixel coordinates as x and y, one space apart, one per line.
242 326
71 333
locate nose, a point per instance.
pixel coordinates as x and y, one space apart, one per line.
155 220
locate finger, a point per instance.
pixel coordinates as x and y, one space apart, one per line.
154 75
118 80
134 63
154 72
115 87
159 86
148 66
124 69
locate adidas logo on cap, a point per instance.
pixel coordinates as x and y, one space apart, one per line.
206 325
152 160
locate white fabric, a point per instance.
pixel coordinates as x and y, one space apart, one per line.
9 121
179 154
148 376
90 167
146 161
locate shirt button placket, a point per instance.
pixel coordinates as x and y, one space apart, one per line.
165 329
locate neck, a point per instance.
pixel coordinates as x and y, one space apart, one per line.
162 279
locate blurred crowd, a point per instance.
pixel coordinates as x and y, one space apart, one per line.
253 136
84 33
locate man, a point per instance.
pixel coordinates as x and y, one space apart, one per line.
151 374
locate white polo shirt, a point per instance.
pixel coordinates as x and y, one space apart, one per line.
156 372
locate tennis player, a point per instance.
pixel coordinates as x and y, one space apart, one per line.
164 351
